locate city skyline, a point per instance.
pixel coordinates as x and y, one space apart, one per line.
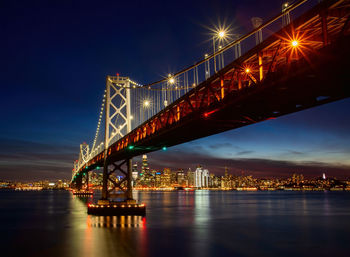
175 128
58 83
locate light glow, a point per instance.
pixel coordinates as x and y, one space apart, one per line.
221 34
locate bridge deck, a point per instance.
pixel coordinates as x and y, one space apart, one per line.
281 80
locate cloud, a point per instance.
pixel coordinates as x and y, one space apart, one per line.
295 152
26 160
222 145
244 152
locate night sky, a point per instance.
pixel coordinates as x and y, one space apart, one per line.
55 56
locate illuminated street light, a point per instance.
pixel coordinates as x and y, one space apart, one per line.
221 34
171 80
145 105
294 43
247 70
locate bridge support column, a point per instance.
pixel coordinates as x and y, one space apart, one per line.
105 181
79 182
87 181
129 180
79 186
107 206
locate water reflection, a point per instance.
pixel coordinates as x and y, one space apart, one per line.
116 221
200 223
201 206
201 218
90 235
84 199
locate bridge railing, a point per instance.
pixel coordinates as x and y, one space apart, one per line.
148 100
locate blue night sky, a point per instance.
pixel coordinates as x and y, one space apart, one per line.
55 56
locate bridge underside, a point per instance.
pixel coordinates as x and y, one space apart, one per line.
281 81
320 79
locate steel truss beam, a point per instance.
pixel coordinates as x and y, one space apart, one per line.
114 168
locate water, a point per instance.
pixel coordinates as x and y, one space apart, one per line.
197 223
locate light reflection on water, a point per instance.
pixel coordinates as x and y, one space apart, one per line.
197 223
116 221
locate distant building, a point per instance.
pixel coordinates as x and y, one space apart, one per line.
145 167
180 176
158 179
297 179
190 178
166 178
134 174
201 177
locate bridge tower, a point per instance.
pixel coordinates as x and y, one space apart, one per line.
84 155
84 152
117 125
75 168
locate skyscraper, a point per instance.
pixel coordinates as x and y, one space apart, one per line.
201 177
180 176
166 177
135 173
145 168
190 177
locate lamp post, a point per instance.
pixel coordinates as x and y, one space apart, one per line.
145 105
221 34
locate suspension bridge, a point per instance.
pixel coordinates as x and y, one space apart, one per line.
282 66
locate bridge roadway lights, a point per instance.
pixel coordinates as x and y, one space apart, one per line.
110 208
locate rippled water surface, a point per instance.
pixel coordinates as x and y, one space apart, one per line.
197 223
